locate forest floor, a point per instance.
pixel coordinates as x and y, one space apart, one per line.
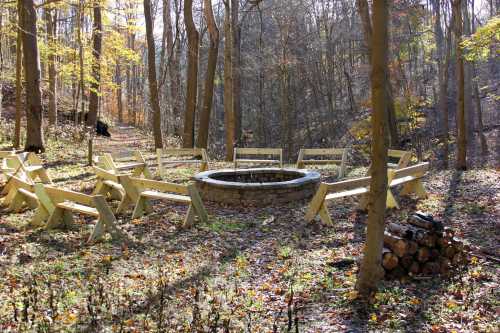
247 269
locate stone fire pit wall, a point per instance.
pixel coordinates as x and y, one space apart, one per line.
258 186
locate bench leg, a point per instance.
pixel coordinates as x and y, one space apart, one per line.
363 203
16 204
414 187
99 188
41 215
44 176
324 215
203 167
10 196
140 208
106 222
98 232
189 219
67 219
391 201
55 219
197 204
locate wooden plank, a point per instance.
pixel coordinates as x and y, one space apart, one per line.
105 174
349 184
348 193
182 151
197 203
324 215
396 153
417 170
59 195
75 207
166 196
43 198
321 161
323 151
258 151
107 218
258 161
316 202
160 185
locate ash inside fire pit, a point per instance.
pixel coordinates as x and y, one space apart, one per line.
259 186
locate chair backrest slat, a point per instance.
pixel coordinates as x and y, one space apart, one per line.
350 184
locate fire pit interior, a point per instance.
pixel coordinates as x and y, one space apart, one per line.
258 186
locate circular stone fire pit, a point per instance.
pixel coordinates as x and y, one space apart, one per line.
256 187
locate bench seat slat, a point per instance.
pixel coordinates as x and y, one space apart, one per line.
166 196
28 194
74 207
257 161
129 166
354 192
320 161
182 161
402 180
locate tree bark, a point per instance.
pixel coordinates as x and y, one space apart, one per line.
236 67
228 83
364 13
96 66
461 163
192 76
51 26
119 100
153 83
34 110
19 74
371 268
81 18
202 140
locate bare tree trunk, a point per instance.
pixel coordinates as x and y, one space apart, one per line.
34 111
96 66
236 67
119 101
371 271
19 74
461 163
202 140
80 55
228 83
364 13
192 76
51 25
153 84
468 115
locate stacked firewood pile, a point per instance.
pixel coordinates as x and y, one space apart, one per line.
422 246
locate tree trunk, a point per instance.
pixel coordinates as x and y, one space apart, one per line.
192 76
202 140
153 84
228 83
461 163
96 66
371 268
236 67
391 120
81 18
119 101
34 111
51 25
19 74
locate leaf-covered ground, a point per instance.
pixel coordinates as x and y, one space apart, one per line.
247 270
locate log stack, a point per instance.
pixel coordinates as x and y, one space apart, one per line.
422 246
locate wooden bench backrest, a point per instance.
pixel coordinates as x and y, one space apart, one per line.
6 153
258 151
58 195
402 156
194 152
25 184
417 170
322 151
105 174
160 186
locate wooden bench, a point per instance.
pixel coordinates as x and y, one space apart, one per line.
197 155
329 152
136 168
409 176
145 189
65 202
27 164
108 185
258 152
23 193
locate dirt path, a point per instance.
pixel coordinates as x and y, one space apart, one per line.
124 140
